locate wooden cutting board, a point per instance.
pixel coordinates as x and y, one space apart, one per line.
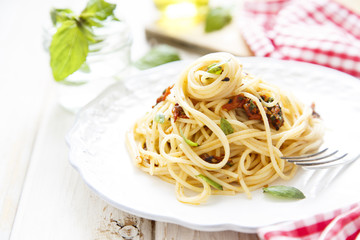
228 39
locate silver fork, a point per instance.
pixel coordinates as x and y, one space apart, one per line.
313 181
321 169
321 159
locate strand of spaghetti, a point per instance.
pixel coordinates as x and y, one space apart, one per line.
243 184
202 197
221 182
168 157
241 166
182 179
236 137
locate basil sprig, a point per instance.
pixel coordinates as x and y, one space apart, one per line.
284 192
70 44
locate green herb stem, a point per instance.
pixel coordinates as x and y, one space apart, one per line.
210 182
188 141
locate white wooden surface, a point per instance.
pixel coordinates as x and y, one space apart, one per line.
41 195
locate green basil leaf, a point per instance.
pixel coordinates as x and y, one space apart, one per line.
70 44
210 182
92 22
68 50
157 56
90 35
226 126
159 118
284 192
85 68
98 9
188 141
217 18
61 15
216 68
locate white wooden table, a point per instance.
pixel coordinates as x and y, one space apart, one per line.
41 195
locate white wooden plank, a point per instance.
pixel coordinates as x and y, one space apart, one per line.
22 91
56 203
173 231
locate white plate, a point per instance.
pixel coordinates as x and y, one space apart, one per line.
98 152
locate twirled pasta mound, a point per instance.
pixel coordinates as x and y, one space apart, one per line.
220 130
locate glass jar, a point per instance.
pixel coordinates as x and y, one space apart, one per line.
107 61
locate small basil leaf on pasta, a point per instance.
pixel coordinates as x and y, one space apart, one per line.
188 141
216 68
226 126
159 118
284 192
210 182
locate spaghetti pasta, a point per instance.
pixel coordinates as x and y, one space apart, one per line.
221 130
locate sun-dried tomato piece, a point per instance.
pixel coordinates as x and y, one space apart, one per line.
236 102
274 115
178 112
251 110
267 98
165 93
211 159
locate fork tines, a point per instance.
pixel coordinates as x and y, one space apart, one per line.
320 158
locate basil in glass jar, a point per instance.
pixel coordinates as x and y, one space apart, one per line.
87 52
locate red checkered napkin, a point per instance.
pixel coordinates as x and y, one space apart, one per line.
341 224
316 31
